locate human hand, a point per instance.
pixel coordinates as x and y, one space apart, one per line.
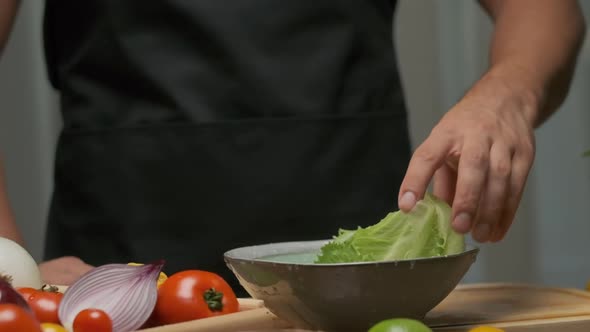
63 271
479 155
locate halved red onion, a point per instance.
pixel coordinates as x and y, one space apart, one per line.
126 293
9 294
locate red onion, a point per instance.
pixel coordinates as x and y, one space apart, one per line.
10 295
127 293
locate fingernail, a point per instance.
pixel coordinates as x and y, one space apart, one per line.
408 200
463 222
482 232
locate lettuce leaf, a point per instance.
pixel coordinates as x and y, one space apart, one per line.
424 232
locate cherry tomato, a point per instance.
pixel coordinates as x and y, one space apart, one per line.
45 304
194 294
26 292
92 320
15 318
52 327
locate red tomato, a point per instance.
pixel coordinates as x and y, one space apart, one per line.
92 320
194 294
45 305
15 318
26 292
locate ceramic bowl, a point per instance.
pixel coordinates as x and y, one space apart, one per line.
343 297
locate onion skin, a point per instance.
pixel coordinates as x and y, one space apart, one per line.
19 265
127 294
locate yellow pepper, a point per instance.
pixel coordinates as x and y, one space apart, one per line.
52 327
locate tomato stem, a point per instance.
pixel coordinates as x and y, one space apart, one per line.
49 288
213 299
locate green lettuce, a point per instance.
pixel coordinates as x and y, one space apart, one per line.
424 232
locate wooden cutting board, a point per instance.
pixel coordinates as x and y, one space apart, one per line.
253 317
513 307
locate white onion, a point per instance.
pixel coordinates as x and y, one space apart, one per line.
17 264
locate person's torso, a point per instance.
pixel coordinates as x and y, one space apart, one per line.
206 61
192 127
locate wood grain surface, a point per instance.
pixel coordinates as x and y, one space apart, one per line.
512 307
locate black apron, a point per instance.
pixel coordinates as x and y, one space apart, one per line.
194 127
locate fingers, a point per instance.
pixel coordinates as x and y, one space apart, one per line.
444 183
520 171
425 161
63 270
471 178
480 174
492 204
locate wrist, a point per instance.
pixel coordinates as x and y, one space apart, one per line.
518 83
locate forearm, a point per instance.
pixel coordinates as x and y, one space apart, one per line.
8 10
8 228
534 49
